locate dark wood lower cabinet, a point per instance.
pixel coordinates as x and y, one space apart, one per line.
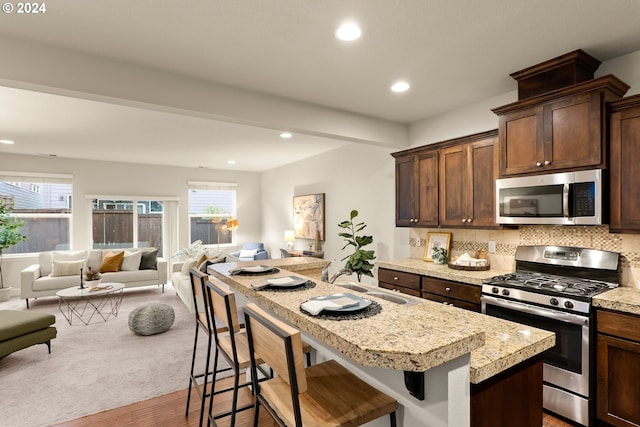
618 369
511 398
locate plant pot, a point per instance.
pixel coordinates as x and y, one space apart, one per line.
92 283
5 294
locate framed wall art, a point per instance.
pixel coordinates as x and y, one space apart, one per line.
308 216
438 240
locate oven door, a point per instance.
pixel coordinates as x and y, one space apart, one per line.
566 365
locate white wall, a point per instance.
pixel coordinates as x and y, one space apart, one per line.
129 179
354 177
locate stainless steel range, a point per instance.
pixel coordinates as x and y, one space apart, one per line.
552 289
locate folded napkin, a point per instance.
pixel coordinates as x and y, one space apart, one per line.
279 281
314 307
252 269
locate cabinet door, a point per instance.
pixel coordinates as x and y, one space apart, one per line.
455 185
521 141
573 132
618 373
405 203
483 161
467 184
427 189
625 170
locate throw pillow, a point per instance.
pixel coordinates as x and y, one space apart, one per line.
45 260
111 262
66 268
188 264
248 253
201 260
131 261
149 259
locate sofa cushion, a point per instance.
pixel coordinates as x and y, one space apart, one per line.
149 259
188 264
111 262
131 261
16 323
66 268
45 260
48 283
94 259
130 276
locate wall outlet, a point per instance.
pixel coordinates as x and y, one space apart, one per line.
492 247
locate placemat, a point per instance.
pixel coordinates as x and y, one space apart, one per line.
254 273
373 309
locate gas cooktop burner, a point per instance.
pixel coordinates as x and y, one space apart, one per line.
550 283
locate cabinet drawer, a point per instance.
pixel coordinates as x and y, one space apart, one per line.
408 291
452 301
618 324
447 288
399 278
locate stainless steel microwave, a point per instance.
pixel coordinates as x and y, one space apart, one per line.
570 198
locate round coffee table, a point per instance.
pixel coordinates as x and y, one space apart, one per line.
90 303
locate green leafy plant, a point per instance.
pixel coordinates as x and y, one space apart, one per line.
9 234
358 261
439 255
92 274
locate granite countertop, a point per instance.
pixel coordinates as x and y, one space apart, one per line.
626 300
418 266
413 337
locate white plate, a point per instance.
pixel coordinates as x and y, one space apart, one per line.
362 303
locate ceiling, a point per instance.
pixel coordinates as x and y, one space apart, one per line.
452 52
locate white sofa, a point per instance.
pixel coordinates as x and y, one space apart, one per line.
40 280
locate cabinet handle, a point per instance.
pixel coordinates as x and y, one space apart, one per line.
470 219
538 164
547 162
395 277
447 289
464 220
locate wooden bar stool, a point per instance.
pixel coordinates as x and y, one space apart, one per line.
326 394
205 322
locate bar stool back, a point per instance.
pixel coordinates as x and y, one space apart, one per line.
325 394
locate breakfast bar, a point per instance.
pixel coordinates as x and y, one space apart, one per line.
420 353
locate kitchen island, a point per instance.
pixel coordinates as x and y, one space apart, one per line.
420 353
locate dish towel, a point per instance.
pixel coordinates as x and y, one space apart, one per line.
314 307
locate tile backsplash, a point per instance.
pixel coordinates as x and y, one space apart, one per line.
507 240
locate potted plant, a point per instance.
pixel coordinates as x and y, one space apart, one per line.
92 278
358 261
439 255
9 236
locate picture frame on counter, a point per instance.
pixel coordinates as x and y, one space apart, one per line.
440 240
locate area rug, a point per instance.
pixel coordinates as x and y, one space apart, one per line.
96 367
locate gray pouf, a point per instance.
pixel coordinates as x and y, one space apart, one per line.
151 319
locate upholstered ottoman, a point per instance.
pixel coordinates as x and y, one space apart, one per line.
151 319
22 329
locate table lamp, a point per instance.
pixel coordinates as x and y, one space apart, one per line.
289 237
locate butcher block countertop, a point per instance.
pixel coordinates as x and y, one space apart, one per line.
414 337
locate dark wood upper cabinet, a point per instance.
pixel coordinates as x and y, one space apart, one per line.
417 188
468 171
625 165
561 130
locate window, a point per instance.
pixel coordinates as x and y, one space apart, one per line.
211 205
116 224
40 201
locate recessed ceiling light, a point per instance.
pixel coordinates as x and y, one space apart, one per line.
348 32
6 141
400 86
231 162
285 135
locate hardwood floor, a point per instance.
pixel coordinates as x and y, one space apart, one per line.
168 410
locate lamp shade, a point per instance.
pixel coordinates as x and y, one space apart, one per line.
232 224
289 236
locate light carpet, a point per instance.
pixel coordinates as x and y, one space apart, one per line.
96 367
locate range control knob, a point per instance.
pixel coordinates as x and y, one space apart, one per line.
495 290
505 292
554 301
568 304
